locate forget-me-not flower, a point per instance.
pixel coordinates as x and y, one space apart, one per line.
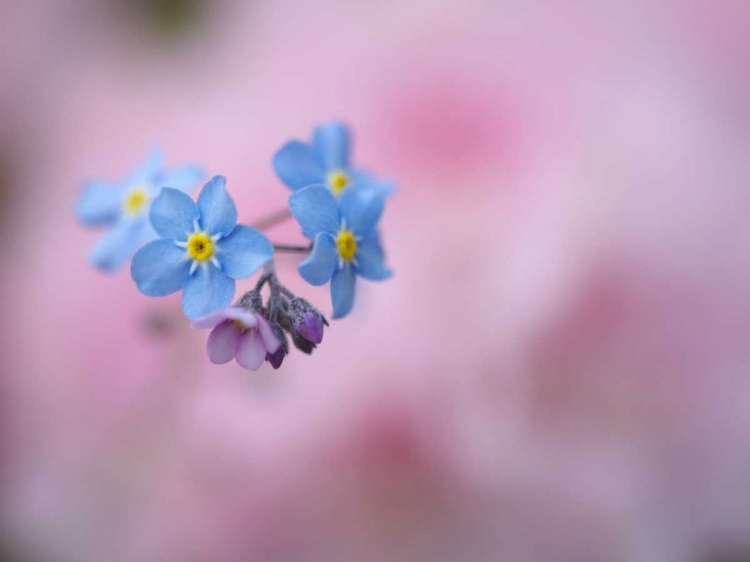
346 242
124 207
325 161
202 250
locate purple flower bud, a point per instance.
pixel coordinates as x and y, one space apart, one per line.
310 327
308 322
303 344
277 357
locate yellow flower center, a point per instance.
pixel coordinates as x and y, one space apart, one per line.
347 245
239 324
200 247
337 181
135 201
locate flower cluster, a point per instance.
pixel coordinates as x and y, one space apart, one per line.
197 247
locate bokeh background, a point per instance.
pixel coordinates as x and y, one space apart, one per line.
559 369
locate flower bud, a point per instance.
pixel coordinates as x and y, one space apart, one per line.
277 357
308 322
303 344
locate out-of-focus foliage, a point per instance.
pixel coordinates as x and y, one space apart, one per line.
167 18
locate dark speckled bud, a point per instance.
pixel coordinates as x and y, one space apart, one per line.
252 300
303 344
308 322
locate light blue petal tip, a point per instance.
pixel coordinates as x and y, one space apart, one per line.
370 259
149 169
244 251
173 214
362 208
315 210
160 268
114 249
332 144
342 291
217 210
297 165
99 203
319 266
206 291
185 178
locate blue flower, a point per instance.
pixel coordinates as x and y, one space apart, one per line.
346 243
123 207
324 162
202 250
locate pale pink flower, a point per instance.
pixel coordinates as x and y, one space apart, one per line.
239 334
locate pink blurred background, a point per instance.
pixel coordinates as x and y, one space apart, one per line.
559 368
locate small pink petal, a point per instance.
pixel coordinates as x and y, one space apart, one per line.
222 343
251 352
246 317
270 340
210 321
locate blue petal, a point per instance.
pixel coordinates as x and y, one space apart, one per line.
119 243
173 214
218 213
99 203
370 259
297 165
331 144
319 266
315 210
243 252
147 171
384 187
342 291
185 178
206 291
361 208
160 268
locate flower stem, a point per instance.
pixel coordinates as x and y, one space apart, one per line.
291 248
272 219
